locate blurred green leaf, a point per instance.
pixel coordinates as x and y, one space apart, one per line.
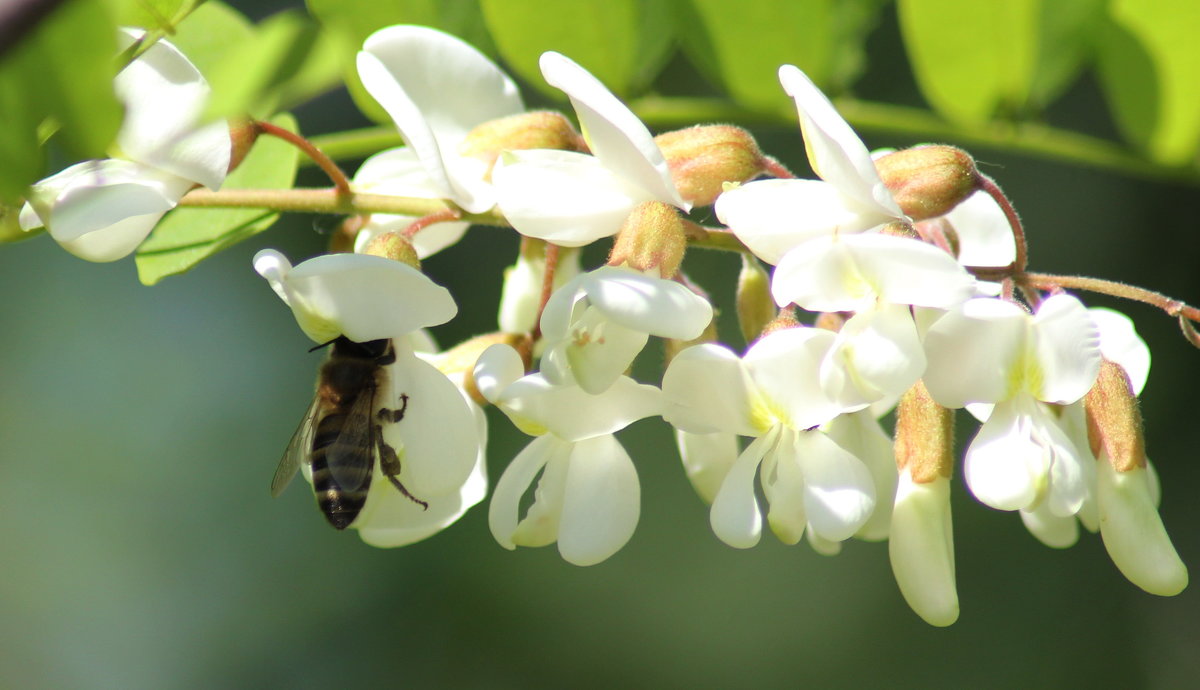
972 60
210 33
187 236
1149 62
624 43
350 22
63 70
741 46
1068 28
152 14
252 74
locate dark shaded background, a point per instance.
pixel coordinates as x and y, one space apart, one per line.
140 428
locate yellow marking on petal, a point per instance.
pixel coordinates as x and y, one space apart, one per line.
526 425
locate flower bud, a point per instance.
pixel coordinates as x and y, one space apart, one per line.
703 158
928 181
242 135
924 436
755 305
521 293
1114 420
786 318
394 246
543 129
650 238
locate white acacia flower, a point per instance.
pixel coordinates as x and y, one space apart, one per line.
437 89
991 351
572 199
596 324
359 296
921 548
810 482
588 498
773 216
101 210
521 294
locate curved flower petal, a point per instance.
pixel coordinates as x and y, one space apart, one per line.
164 95
707 459
1005 467
971 351
984 236
835 152
615 135
1134 534
503 513
921 549
1054 531
541 523
1120 343
839 492
707 389
784 366
398 172
783 486
536 406
660 307
878 353
601 501
734 516
359 296
773 216
570 199
860 435
598 350
1068 349
498 367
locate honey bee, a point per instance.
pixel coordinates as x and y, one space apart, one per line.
341 435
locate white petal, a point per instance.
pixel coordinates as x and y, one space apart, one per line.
521 294
773 216
921 548
164 96
598 350
1134 534
406 69
660 307
498 367
615 135
860 434
734 515
503 513
706 389
1120 343
1005 467
1068 349
541 523
783 486
707 459
839 492
436 439
601 503
877 352
537 406
834 150
1072 471
359 296
784 366
398 172
984 235
1052 530
93 195
563 197
972 351
840 272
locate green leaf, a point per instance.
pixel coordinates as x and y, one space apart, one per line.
740 46
1149 65
972 60
252 74
624 43
210 33
1065 44
160 15
187 236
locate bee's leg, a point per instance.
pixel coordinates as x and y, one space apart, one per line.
390 465
393 416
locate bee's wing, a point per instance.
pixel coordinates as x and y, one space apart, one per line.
298 449
351 456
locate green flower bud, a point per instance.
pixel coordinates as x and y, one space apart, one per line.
928 181
755 305
394 246
703 158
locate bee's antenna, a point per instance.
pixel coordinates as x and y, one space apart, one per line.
322 346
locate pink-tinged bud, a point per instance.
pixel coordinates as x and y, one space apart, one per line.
651 237
830 321
924 436
242 135
458 363
786 318
542 129
928 181
898 229
703 158
755 306
1114 420
394 246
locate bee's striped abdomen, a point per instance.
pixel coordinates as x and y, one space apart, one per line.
340 505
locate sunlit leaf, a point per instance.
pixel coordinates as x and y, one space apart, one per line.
187 236
624 43
251 75
1067 31
152 14
740 46
1149 64
972 60
210 33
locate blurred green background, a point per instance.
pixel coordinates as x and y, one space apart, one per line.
141 426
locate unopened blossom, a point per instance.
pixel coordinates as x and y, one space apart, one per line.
597 323
365 298
773 216
922 548
524 281
437 89
772 395
101 210
992 351
588 498
573 199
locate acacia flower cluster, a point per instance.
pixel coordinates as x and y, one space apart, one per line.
898 290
